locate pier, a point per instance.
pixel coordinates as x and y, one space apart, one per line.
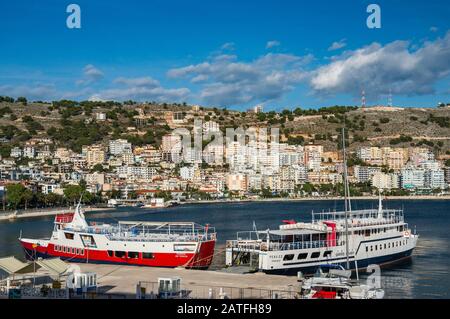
11 215
123 280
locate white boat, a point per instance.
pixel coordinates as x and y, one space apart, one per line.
350 238
336 284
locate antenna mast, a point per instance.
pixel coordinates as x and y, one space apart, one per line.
346 195
363 99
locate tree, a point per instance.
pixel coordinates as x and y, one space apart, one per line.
14 193
73 193
27 195
22 100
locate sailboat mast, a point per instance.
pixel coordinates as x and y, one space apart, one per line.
346 195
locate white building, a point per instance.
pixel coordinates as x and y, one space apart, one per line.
187 173
412 178
29 152
16 152
435 179
119 147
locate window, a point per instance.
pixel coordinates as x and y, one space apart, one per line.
376 247
288 257
133 255
384 246
110 253
147 256
88 241
367 248
381 247
371 248
82 252
185 247
315 254
302 256
56 247
120 254
327 254
69 236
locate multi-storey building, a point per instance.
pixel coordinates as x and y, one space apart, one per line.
119 147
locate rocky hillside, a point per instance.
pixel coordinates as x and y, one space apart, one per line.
73 124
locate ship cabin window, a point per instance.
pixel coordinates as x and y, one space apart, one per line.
385 246
120 254
64 249
389 245
148 256
381 247
327 254
367 232
367 248
302 256
315 254
133 255
288 257
376 247
56 248
88 241
371 248
110 253
69 236
82 252
385 230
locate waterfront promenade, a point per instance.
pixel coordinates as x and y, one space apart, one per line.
31 213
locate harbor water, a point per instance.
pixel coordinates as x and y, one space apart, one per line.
427 275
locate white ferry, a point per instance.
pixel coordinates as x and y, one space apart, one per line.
351 238
375 236
153 244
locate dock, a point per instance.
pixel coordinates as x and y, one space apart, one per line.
44 213
123 280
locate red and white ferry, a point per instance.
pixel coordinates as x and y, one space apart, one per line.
153 244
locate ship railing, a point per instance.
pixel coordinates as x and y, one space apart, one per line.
355 214
161 238
298 245
275 246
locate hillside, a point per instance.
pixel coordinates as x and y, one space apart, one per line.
74 124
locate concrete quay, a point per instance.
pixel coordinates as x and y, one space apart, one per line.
123 280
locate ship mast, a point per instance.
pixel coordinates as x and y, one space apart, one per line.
347 203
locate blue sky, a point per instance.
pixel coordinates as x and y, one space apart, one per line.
230 53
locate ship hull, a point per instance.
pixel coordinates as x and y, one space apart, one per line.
382 261
200 259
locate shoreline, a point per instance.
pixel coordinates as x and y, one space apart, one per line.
32 213
305 199
24 214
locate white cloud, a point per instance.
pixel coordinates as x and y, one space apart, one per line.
228 46
91 74
378 69
224 80
35 92
272 44
140 89
139 82
337 45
